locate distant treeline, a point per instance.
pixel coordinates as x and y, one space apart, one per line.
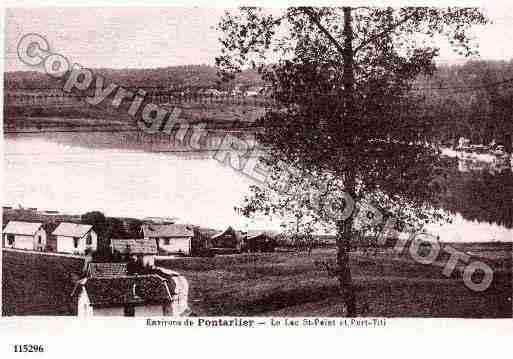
175 77
473 100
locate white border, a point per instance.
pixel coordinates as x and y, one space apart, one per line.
130 338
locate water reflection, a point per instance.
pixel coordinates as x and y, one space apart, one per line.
181 145
135 174
480 191
122 174
497 166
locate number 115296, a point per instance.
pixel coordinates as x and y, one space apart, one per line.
29 348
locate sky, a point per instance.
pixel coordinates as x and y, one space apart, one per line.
150 37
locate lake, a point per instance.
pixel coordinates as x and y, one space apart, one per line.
132 174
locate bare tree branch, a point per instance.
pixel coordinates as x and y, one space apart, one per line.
386 31
340 48
325 31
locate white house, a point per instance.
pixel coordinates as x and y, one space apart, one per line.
144 249
125 295
24 235
170 238
75 238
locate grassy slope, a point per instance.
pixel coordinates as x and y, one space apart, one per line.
38 284
288 284
279 284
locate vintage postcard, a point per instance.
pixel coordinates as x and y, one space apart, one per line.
257 167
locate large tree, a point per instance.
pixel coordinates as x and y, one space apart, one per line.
344 126
100 225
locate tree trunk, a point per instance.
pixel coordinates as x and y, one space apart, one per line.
344 228
348 74
345 279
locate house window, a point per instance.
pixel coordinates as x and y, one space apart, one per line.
129 311
167 241
39 239
89 239
75 242
10 239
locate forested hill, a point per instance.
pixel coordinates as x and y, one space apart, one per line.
474 100
175 77
472 73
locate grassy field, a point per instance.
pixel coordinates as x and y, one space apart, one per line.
39 283
387 285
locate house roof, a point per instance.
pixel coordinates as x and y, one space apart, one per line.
119 290
161 220
206 232
67 229
255 234
134 246
260 235
167 230
228 230
22 228
107 269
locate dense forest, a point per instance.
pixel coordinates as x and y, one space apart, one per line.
175 77
473 100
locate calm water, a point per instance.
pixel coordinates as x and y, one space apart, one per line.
131 174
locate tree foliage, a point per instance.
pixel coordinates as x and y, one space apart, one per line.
345 123
382 149
99 222
474 100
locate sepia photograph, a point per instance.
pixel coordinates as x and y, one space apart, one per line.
345 165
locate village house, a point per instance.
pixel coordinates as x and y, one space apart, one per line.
143 250
24 235
170 238
110 291
201 243
260 242
75 238
228 240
